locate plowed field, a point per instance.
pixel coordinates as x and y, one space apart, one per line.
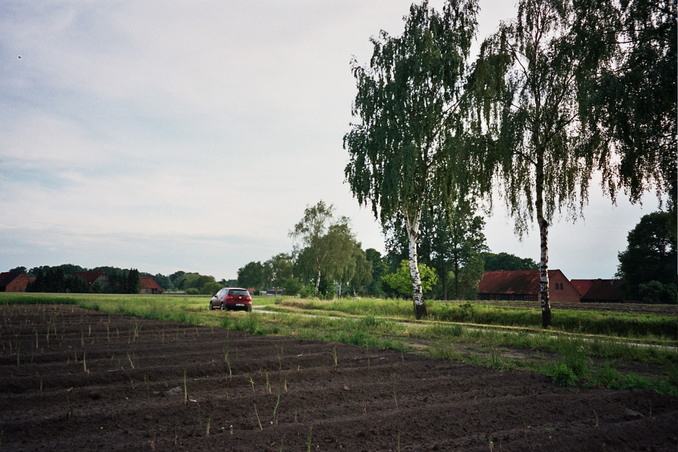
79 380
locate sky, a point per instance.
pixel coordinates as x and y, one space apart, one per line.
170 135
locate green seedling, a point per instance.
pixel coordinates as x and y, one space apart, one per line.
268 384
185 388
130 358
256 413
309 440
275 409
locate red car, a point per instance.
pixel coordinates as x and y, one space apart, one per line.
232 298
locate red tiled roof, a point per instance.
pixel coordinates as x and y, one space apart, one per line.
90 276
512 281
148 283
599 289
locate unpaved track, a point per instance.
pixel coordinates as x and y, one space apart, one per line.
112 382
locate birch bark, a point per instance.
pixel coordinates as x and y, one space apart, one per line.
544 254
412 225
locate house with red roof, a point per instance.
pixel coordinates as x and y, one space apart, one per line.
94 276
13 281
523 285
148 285
600 290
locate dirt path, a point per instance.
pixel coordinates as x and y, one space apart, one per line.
72 379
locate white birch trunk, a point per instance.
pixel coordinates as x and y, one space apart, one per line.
412 226
544 260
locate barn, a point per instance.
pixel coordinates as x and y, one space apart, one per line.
523 285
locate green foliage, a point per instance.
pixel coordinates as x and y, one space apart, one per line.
637 38
656 292
327 251
292 286
506 261
251 275
401 281
648 265
408 107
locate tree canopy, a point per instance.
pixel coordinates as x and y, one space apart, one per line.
648 265
408 108
528 96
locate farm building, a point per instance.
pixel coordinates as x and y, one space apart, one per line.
599 290
523 285
94 276
13 281
148 285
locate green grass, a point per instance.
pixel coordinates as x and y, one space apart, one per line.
584 347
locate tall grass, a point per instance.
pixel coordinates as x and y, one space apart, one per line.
579 321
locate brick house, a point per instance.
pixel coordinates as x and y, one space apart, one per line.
600 290
14 281
523 285
148 285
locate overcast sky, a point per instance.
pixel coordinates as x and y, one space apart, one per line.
186 135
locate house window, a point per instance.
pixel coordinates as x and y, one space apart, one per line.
559 286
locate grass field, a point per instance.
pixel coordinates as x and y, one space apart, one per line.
588 347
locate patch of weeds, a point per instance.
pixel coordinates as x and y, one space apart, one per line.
605 377
467 312
368 322
573 366
561 374
249 323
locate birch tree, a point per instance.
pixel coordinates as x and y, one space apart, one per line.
633 97
526 85
408 110
327 245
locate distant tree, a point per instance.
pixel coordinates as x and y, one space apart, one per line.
648 265
358 273
132 284
379 269
177 279
506 261
401 282
408 105
210 287
277 270
292 286
163 281
469 278
48 279
76 284
251 275
325 245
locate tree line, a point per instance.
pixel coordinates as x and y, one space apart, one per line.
64 278
566 89
326 260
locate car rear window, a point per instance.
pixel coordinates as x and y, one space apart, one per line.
238 292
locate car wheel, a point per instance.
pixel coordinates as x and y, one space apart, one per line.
223 307
249 308
211 307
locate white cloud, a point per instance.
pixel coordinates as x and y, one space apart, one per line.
188 135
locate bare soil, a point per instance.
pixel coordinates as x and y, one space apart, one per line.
79 380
